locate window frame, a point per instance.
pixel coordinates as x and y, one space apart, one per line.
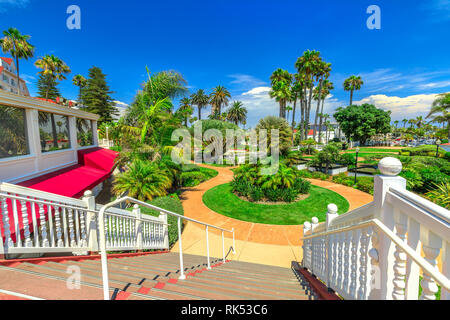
28 153
68 134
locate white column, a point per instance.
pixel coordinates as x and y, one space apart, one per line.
163 219
33 136
139 225
95 133
91 222
390 168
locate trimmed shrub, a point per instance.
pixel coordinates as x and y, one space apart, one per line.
302 186
319 175
365 184
305 174
256 194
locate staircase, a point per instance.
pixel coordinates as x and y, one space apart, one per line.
150 277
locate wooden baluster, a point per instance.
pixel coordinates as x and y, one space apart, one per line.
431 247
71 227
35 224
60 242
375 276
348 239
354 263
332 260
6 226
26 227
65 228
401 222
16 224
83 229
363 259
51 226
45 242
77 228
340 263
122 240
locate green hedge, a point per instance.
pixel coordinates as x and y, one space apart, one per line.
193 175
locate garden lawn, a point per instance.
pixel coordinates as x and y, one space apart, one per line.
376 150
221 200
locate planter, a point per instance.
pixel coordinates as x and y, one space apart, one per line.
333 171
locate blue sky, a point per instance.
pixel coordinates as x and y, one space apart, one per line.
239 43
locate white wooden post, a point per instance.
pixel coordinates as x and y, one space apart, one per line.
314 224
306 247
331 215
139 225
91 222
163 218
182 276
390 168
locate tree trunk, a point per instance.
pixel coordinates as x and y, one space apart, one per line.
317 111
18 77
199 113
293 117
55 134
302 119
321 120
351 97
308 115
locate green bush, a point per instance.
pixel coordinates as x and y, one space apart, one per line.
256 194
319 175
193 175
447 156
273 195
302 186
289 195
428 150
365 184
413 179
432 176
305 174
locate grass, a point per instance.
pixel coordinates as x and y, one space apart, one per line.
375 150
193 175
223 201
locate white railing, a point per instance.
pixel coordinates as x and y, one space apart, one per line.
139 223
37 222
381 250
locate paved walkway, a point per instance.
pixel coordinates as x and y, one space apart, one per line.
257 243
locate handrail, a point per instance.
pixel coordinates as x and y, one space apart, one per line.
102 237
417 258
58 204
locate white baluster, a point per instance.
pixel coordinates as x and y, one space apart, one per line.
6 226
401 221
26 228
431 247
340 263
50 226
83 229
77 228
363 269
108 230
35 224
45 242
71 227
65 228
348 239
333 259
60 242
375 275
16 224
354 264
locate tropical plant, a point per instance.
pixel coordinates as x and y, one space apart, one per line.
284 132
81 83
201 100
17 45
218 98
352 84
143 180
185 110
440 194
440 110
237 113
53 67
322 73
281 89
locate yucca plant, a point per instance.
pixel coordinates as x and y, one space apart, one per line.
440 195
143 180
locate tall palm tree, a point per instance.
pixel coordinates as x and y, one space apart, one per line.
281 89
237 113
352 84
419 122
322 73
405 122
16 44
326 89
185 109
218 98
201 100
80 82
52 66
440 110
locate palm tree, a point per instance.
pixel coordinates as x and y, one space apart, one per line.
404 121
322 73
440 110
80 82
52 66
419 122
281 89
326 89
237 113
351 84
218 98
17 46
144 180
185 110
201 100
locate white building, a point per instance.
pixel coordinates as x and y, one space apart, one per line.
8 77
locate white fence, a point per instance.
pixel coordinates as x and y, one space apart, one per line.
381 250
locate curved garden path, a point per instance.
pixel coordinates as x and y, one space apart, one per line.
258 243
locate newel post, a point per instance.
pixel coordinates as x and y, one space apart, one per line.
306 246
331 215
138 214
385 212
163 219
91 223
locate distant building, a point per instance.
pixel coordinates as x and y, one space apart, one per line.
8 78
333 132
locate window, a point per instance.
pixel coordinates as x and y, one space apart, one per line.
54 132
13 83
5 78
85 135
13 133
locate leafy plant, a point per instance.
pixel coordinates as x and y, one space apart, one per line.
440 194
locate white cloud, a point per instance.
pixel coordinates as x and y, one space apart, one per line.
407 107
7 4
121 107
27 78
